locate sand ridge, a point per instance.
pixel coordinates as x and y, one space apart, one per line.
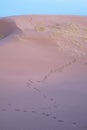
7 27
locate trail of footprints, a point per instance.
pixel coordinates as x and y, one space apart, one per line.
30 84
45 114
35 112
17 109
58 69
51 72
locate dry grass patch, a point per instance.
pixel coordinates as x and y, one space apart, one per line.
40 28
70 38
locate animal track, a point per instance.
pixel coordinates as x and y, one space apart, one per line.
25 111
17 109
31 84
46 114
85 63
37 90
74 123
86 127
58 69
9 104
3 109
34 112
60 121
51 99
54 117
54 104
51 72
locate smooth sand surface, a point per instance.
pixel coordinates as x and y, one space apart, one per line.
43 73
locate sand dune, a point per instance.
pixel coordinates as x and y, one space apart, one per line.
43 73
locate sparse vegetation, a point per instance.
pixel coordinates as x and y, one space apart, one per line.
74 36
40 28
65 29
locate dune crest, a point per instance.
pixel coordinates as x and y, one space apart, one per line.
67 32
7 28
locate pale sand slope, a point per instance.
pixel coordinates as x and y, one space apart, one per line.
43 73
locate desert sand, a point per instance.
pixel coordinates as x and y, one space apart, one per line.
43 73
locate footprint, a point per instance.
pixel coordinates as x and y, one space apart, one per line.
44 96
46 114
37 90
9 104
60 121
54 117
45 78
34 112
86 63
3 109
74 123
51 99
25 111
17 109
38 81
86 127
54 102
29 83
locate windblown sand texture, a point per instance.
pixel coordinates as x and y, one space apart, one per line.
43 73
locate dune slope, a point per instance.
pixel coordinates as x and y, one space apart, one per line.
43 73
